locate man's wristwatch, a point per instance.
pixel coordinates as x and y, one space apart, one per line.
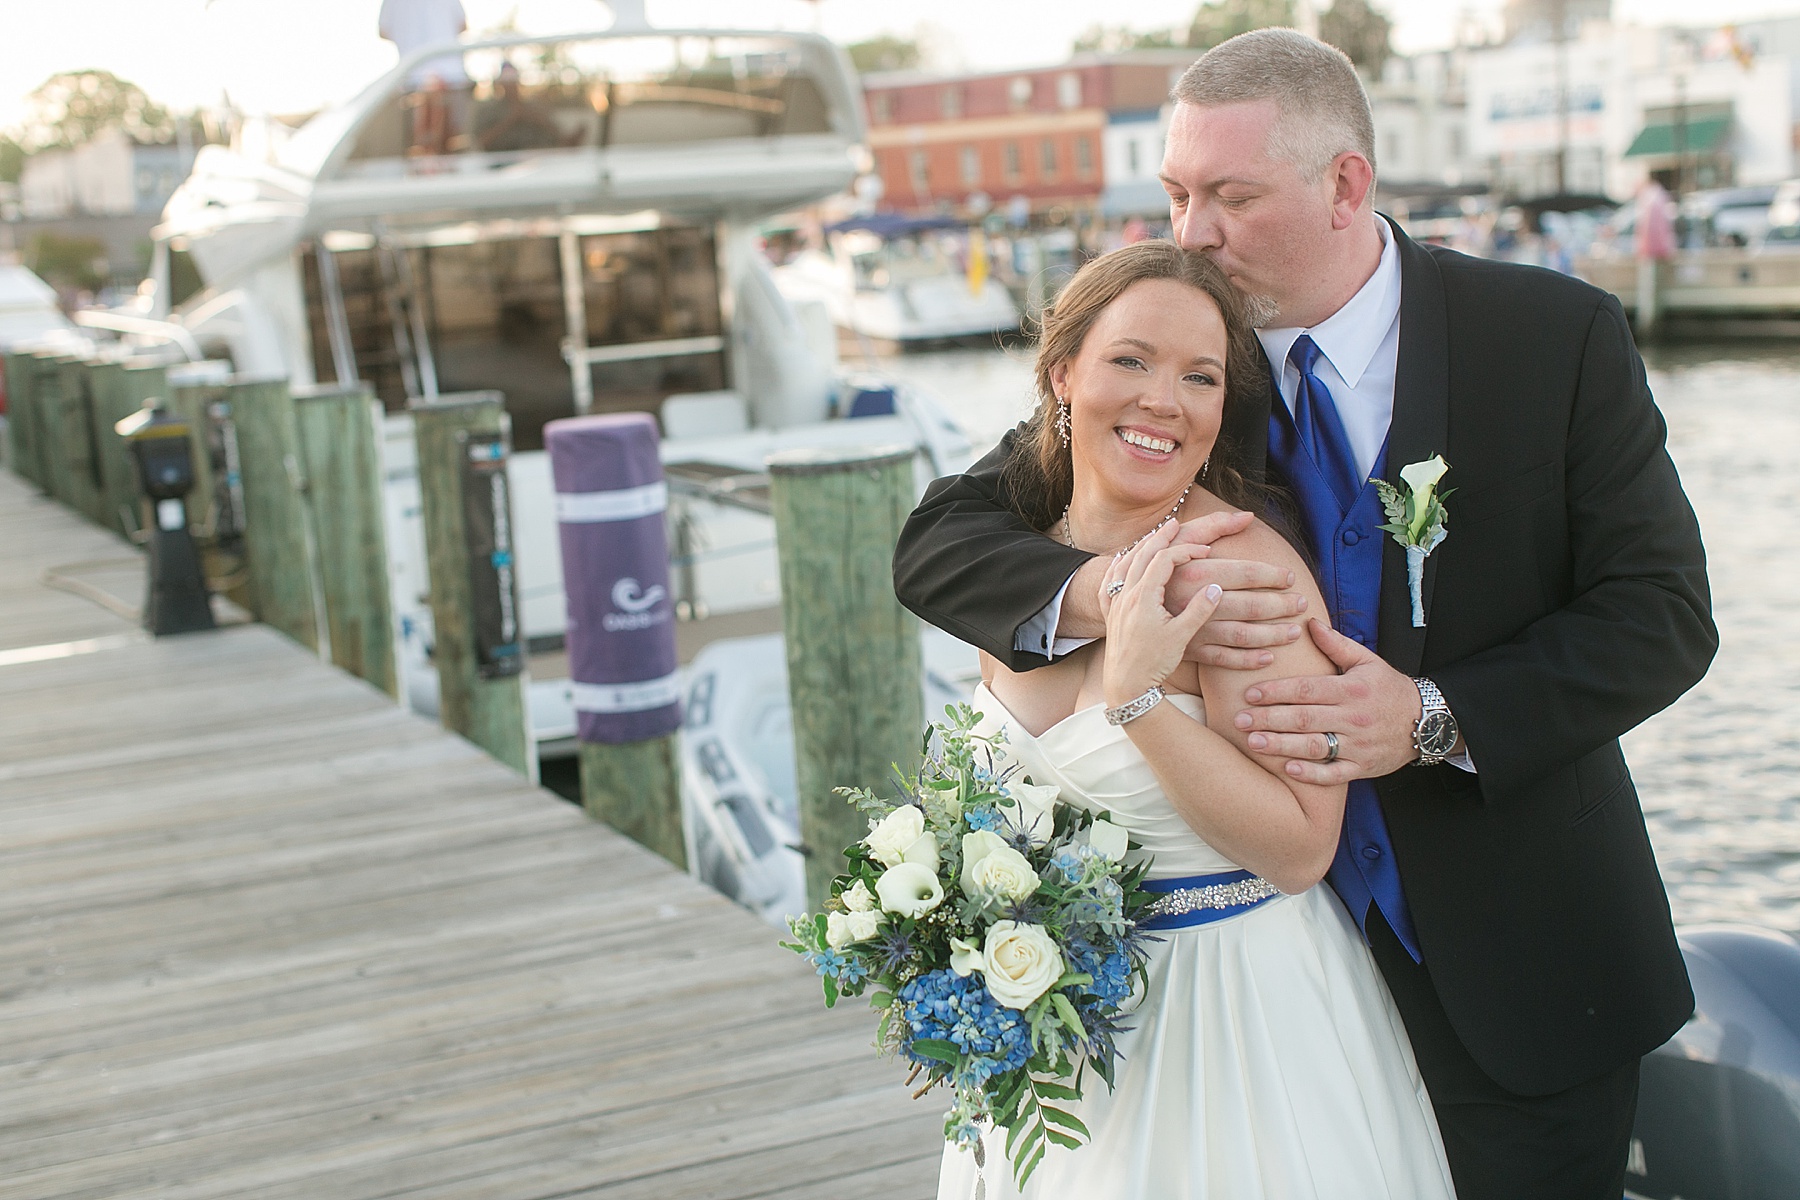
1434 737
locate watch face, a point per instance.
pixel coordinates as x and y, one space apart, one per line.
1437 734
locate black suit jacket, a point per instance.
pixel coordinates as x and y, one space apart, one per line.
1568 603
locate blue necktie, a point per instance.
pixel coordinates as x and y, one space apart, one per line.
1320 429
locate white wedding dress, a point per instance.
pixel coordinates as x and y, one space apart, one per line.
1265 1058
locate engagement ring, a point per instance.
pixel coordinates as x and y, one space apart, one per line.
1115 587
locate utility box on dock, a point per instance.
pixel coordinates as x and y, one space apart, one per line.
175 599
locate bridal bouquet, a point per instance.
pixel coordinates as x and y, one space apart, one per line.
995 930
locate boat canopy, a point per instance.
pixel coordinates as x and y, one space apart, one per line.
699 124
678 120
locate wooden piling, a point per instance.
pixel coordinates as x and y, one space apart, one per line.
81 440
21 417
118 484
484 705
46 394
340 431
277 538
636 788
852 651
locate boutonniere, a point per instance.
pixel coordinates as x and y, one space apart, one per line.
1417 519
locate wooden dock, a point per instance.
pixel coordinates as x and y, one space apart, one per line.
263 934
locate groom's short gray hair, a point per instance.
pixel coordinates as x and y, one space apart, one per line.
1324 110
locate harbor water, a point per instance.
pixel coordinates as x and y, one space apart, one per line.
1719 772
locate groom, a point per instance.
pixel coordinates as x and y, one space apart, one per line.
1494 853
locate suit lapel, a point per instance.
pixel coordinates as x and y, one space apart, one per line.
1419 429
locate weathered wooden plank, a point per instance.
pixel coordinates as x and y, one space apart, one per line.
340 433
262 933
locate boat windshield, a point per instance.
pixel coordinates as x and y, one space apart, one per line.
493 105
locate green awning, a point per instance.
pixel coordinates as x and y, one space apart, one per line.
1699 137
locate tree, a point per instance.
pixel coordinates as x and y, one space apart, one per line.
885 53
12 159
69 109
1360 30
69 264
1105 39
1220 20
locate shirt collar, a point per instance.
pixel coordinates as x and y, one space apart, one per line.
1350 336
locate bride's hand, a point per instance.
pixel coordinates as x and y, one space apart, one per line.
1144 642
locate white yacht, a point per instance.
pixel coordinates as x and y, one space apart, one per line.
575 228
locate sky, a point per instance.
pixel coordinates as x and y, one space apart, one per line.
297 55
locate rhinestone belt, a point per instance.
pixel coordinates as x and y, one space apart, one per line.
1200 899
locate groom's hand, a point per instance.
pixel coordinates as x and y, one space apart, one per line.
1257 611
1371 707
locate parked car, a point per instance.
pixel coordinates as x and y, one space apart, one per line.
1784 209
1727 216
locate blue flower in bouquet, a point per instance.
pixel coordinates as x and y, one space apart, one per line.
984 818
946 1007
832 965
1109 966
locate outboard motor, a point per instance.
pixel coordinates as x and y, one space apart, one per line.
1719 1105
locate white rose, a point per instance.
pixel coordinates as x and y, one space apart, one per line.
1108 839
889 837
861 925
964 956
993 867
1019 963
858 898
909 889
837 930
1036 809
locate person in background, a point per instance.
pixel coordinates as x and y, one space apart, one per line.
439 86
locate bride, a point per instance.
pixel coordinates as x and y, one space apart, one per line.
1265 1058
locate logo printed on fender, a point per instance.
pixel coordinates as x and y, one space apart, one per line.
635 605
628 596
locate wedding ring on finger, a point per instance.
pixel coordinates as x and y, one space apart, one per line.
1115 587
1331 748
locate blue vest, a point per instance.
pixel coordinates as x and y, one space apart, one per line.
1347 556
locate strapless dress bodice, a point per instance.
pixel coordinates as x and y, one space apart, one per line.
1096 767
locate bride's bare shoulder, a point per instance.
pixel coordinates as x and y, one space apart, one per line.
1260 542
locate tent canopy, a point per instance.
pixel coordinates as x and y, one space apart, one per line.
1662 138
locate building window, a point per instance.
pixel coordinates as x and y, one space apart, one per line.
1047 157
950 102
1084 158
971 166
881 107
1010 155
1068 90
1019 91
1132 163
917 170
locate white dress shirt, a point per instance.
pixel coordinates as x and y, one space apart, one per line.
1359 353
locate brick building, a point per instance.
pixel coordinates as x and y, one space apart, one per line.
1034 139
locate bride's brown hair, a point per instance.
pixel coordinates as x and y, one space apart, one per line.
1039 475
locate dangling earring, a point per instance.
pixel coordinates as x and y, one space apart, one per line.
1062 420
1205 467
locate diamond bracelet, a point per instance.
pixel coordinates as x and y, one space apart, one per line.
1131 710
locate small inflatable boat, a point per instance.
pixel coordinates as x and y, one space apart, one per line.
1719 1106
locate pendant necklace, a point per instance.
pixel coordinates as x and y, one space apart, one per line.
1069 530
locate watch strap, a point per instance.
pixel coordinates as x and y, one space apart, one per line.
1431 701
